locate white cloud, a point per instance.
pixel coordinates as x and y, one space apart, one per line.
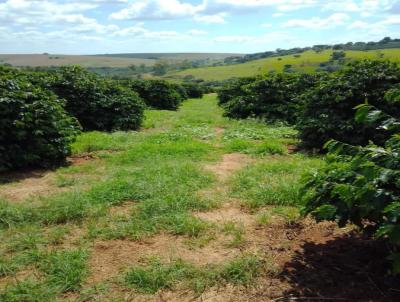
333 20
210 11
365 8
268 38
155 10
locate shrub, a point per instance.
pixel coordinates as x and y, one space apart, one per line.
35 130
272 97
98 104
328 113
193 90
158 94
361 184
233 89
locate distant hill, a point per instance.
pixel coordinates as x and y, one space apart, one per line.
35 60
174 56
308 61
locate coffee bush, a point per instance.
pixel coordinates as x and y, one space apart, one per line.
158 94
361 184
35 130
328 112
97 103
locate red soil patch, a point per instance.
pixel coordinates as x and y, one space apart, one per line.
20 186
110 258
229 164
35 184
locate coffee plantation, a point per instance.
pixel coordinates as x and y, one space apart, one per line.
281 186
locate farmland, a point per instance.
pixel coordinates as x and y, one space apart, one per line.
112 60
194 206
260 188
35 60
307 62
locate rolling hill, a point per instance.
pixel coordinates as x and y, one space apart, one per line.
35 60
107 60
308 62
174 56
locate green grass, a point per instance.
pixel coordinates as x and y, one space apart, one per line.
157 275
307 62
288 215
29 290
100 141
274 182
65 270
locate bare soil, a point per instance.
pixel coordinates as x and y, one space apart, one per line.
229 164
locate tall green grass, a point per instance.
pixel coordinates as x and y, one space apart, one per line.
274 182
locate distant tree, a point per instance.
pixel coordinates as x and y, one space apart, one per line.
288 68
160 68
132 67
385 40
338 55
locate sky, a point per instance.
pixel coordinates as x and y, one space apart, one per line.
234 26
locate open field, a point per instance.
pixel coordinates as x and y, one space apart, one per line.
35 60
174 56
110 60
307 62
195 207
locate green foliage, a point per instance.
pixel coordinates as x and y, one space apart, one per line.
272 97
98 104
35 130
361 184
193 90
329 110
233 89
157 94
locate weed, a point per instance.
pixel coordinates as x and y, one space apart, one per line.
157 275
65 270
236 231
29 290
276 182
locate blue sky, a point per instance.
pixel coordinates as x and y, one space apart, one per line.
237 26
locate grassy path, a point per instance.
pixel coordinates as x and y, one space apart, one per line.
194 207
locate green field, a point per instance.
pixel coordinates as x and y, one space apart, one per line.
307 62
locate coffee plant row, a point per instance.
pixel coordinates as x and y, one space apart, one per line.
362 184
321 106
41 113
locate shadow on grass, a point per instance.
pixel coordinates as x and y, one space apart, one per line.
348 268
